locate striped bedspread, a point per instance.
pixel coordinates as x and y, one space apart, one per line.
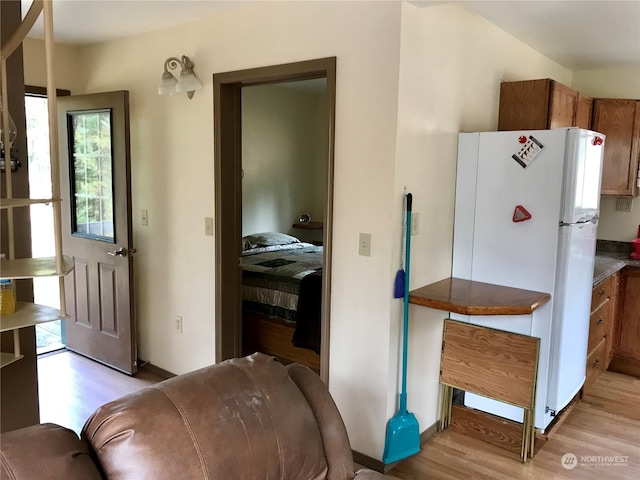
271 278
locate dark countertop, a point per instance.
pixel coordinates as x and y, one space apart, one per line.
610 258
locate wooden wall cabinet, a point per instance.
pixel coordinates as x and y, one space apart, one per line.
619 120
545 104
584 112
542 104
601 328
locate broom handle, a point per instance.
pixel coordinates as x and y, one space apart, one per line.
404 229
405 328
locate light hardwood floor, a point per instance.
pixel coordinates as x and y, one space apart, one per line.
605 423
71 387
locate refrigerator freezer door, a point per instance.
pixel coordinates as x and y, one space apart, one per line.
572 304
516 254
583 170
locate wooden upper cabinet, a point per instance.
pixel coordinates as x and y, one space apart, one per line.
584 111
541 104
619 120
562 106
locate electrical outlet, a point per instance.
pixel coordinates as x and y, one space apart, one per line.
415 223
624 204
178 324
145 217
365 245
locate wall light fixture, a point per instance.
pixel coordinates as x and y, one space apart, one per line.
187 82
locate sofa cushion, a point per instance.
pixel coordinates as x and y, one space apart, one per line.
28 452
244 418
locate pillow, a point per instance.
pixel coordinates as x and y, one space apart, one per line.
267 239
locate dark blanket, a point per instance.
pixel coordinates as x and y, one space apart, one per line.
308 316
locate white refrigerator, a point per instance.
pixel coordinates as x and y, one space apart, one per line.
526 216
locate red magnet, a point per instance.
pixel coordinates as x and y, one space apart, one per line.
522 139
597 141
520 214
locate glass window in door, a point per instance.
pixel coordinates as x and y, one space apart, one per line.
90 149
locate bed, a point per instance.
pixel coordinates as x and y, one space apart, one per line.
282 297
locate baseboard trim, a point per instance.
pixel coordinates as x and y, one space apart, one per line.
378 465
149 367
424 436
369 462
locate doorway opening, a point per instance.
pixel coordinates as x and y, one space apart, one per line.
46 290
233 233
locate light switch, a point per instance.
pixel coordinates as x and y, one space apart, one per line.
208 226
145 217
365 245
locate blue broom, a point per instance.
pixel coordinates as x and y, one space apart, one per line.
398 284
403 432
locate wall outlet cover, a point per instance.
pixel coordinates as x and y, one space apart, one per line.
624 204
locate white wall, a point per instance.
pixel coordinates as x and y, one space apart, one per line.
613 83
608 82
283 138
67 68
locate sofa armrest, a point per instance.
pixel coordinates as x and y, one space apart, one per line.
334 434
46 451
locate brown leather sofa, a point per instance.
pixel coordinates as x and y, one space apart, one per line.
244 419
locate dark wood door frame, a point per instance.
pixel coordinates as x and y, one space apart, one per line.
228 198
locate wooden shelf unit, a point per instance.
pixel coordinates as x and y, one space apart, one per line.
35 267
30 314
24 202
8 358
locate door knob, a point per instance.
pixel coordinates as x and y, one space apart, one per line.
121 252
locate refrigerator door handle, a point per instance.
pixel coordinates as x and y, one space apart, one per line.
593 220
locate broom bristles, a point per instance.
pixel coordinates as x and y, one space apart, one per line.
398 286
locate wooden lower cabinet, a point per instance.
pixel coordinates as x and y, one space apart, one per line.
628 335
596 362
601 328
614 330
